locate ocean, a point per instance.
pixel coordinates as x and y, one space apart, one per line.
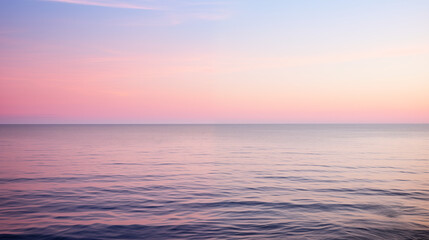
327 181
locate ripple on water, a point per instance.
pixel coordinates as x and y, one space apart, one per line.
213 181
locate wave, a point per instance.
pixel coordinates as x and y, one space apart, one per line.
216 230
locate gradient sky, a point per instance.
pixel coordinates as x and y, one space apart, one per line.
214 61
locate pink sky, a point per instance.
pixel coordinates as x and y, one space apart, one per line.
135 62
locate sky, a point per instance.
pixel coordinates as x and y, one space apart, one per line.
214 61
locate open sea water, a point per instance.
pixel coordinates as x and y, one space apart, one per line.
214 182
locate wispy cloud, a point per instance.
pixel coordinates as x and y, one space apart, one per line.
145 4
105 3
172 12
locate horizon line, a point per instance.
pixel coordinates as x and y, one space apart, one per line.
339 123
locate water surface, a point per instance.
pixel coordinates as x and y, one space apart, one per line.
214 181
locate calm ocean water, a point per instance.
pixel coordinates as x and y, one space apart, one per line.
214 181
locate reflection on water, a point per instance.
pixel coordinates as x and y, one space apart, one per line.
214 181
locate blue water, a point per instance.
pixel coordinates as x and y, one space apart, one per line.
214 182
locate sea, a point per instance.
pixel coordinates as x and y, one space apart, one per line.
292 181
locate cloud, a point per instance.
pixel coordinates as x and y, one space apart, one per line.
171 12
146 4
107 3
